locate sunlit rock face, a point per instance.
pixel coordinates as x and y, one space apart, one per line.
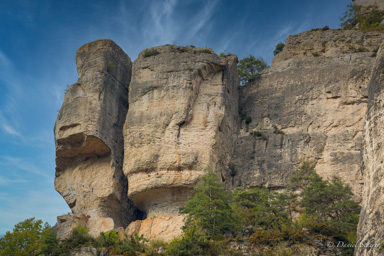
371 223
89 139
182 119
133 147
309 105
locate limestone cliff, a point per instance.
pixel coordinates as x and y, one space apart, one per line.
132 140
371 222
89 141
182 119
310 104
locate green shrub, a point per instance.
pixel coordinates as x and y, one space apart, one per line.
134 245
315 54
110 66
279 48
233 170
250 68
205 51
270 237
190 244
25 238
368 17
110 238
276 130
256 133
151 52
248 120
361 49
49 243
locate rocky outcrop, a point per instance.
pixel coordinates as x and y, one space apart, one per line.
310 104
89 140
371 224
164 227
128 149
182 119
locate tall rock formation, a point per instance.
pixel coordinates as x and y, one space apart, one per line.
133 148
310 104
182 119
371 224
89 141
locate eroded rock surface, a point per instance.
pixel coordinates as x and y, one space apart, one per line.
89 139
164 227
182 119
186 114
310 104
371 223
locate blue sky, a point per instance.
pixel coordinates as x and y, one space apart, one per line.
38 42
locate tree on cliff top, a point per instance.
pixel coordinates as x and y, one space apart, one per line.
368 17
249 68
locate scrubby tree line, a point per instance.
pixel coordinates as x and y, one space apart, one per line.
362 17
310 208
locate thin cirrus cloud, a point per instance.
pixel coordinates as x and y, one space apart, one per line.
201 20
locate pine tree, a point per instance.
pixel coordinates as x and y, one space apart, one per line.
331 202
249 68
209 208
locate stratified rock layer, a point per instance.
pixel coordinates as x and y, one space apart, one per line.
89 140
371 224
182 119
310 104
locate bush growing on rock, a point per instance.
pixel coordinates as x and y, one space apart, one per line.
279 48
367 17
249 68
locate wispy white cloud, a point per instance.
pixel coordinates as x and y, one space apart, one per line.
159 27
201 19
8 129
19 164
5 181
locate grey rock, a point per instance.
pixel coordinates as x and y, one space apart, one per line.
371 223
89 138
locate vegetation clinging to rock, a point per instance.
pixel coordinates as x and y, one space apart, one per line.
249 68
149 53
279 48
366 17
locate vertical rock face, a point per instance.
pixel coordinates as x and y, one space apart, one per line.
311 104
371 224
186 114
378 3
89 140
182 119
